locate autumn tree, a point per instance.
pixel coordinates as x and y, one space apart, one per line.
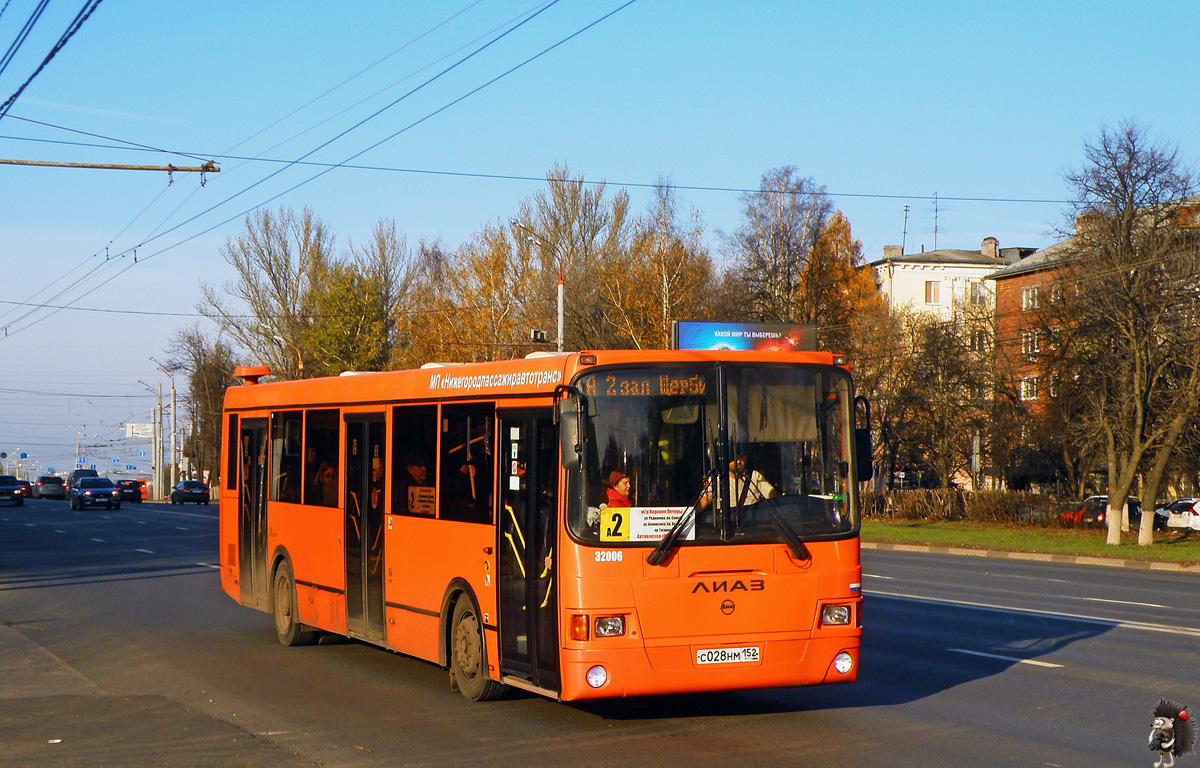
1133 276
664 276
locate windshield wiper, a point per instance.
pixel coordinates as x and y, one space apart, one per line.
662 550
789 535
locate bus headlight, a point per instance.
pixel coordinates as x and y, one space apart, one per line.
610 626
835 614
596 676
843 662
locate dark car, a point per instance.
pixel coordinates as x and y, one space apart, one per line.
94 490
190 490
78 473
10 490
26 488
1093 511
51 486
131 490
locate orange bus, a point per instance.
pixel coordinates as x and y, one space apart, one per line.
581 525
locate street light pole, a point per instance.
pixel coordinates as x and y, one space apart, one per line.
558 259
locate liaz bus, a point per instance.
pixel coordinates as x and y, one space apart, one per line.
582 525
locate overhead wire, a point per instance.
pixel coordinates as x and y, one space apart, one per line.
80 18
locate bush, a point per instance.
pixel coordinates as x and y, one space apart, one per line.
1012 507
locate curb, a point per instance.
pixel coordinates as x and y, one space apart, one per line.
1110 562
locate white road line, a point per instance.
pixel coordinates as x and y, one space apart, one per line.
147 551
180 528
1140 625
877 576
139 522
57 531
208 565
30 525
1118 602
99 540
1005 658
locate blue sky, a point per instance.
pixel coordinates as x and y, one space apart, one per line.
883 103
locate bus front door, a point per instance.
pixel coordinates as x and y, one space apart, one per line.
252 513
364 472
527 530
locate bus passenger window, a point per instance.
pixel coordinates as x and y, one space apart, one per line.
466 462
321 458
414 450
285 456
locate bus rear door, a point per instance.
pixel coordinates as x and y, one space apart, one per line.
252 513
365 469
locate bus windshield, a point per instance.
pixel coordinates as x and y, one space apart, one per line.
745 454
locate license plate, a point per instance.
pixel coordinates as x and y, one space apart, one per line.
745 655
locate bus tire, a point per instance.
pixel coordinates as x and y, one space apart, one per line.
283 605
468 655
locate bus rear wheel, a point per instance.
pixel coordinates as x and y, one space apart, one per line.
287 627
468 656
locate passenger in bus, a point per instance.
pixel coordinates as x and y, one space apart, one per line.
327 485
617 490
745 487
416 475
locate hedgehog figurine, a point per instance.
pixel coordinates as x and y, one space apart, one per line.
1172 732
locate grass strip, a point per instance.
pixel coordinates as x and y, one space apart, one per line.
1171 547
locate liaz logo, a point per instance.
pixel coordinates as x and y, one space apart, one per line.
755 585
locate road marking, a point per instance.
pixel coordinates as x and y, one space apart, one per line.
30 525
1139 625
877 576
1017 659
208 565
147 551
180 528
57 531
99 540
1118 602
139 522
1030 578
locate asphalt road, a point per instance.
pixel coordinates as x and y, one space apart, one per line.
118 648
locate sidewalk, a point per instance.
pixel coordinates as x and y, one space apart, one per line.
1110 562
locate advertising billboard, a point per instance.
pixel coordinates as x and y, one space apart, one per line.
770 337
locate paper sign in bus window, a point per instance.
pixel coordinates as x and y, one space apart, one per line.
640 523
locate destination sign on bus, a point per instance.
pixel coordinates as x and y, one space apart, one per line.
643 384
640 523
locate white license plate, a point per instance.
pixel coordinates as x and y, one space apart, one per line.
745 655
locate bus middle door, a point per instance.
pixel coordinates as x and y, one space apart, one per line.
527 531
252 513
365 470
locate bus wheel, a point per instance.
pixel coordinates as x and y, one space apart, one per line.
287 627
468 660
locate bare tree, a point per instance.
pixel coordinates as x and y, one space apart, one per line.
1133 282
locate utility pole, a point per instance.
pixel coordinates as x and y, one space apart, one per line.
174 462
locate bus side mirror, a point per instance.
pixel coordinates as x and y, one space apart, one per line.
568 412
863 452
864 470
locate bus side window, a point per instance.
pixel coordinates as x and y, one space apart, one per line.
321 457
285 456
414 450
466 467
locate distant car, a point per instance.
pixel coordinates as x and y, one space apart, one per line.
78 473
51 486
1183 513
131 490
26 488
10 490
190 490
94 490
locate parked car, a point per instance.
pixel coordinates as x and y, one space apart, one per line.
10 490
1093 511
190 490
94 490
132 490
51 486
1183 513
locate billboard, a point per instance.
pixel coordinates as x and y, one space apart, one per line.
768 337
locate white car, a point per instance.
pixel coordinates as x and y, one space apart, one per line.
1184 513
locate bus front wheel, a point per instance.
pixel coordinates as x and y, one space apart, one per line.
288 628
468 658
